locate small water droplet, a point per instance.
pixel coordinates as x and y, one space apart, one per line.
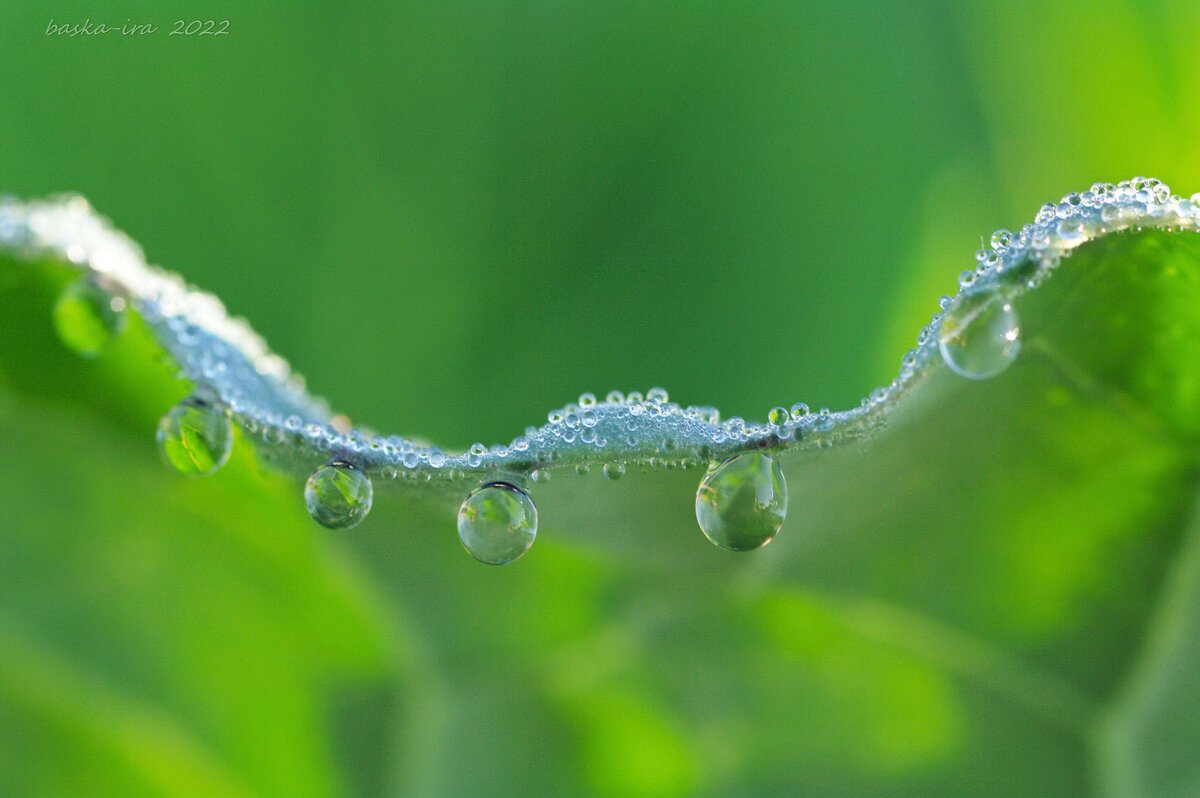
799 411
497 523
614 470
980 335
338 495
778 416
87 318
195 437
658 396
741 503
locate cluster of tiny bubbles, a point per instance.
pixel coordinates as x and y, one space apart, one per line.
195 437
87 317
338 495
741 503
497 523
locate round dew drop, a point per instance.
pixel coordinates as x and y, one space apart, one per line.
614 470
338 495
741 503
195 437
497 523
980 335
87 318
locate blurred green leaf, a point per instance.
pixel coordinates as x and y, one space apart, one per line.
995 596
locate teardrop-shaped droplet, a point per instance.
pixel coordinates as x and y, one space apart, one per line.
741 503
87 318
980 335
497 523
195 437
338 495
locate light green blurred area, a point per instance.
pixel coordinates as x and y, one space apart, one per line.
453 216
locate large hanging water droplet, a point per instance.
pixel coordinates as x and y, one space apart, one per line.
497 523
338 495
741 503
87 318
195 437
980 335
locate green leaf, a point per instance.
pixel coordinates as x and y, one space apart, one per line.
996 595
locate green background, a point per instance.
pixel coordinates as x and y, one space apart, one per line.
453 216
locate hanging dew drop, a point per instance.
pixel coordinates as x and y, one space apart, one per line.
497 523
195 437
614 470
741 503
338 495
980 335
87 318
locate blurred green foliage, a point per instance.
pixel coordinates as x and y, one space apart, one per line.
452 217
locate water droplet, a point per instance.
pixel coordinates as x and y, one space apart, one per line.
497 523
980 335
614 470
778 416
338 495
1071 233
195 437
799 411
87 318
658 396
741 503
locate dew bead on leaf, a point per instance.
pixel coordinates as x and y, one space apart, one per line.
338 495
742 503
195 438
497 523
975 333
88 318
980 335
